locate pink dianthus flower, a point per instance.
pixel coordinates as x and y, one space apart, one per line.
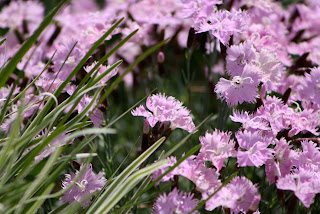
238 56
97 116
256 153
101 69
68 63
312 88
166 109
309 155
171 161
276 113
304 182
240 88
249 120
206 179
282 163
240 195
216 147
175 202
87 184
223 24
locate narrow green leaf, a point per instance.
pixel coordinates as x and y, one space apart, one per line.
124 175
85 110
130 67
48 105
90 52
129 184
61 130
38 203
6 104
52 116
35 185
2 41
128 206
33 81
101 76
202 202
90 131
79 126
7 154
59 209
167 154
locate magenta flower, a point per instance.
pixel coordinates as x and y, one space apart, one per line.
69 64
223 24
100 70
240 88
238 56
91 26
175 202
155 12
51 147
97 116
32 63
87 184
256 152
166 109
309 155
249 120
305 121
172 161
304 182
29 11
276 113
49 83
240 195
312 88
198 10
269 65
206 179
283 161
216 147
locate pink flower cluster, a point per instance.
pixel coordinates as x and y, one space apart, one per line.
166 110
240 195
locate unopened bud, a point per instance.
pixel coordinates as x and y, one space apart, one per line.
161 57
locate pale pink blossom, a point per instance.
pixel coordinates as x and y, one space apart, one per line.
206 179
166 109
175 202
216 147
83 187
254 149
242 88
304 182
240 195
164 168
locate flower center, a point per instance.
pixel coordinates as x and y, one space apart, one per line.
71 60
242 58
82 185
252 150
236 81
